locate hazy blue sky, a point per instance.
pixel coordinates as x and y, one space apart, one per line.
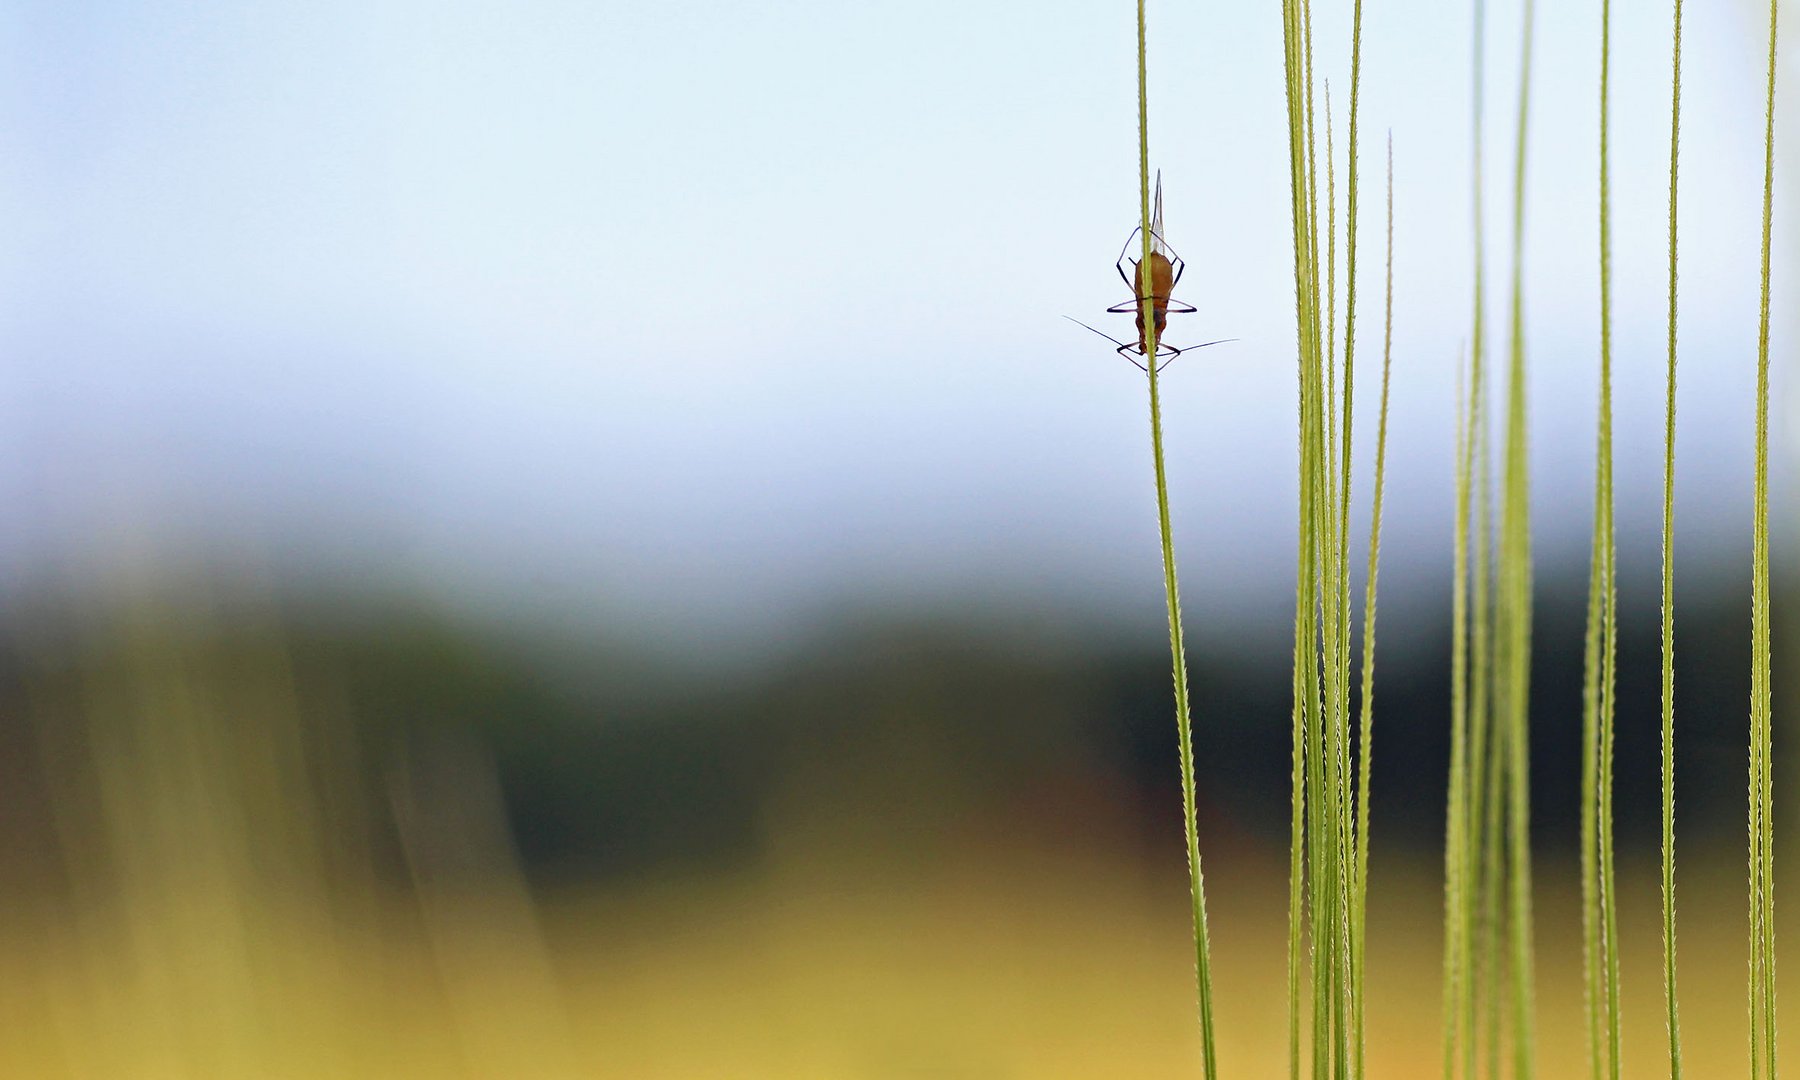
712 310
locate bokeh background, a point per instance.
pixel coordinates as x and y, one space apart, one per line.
571 540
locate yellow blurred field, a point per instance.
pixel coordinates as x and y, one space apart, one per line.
989 962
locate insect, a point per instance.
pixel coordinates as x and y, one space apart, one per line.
1152 298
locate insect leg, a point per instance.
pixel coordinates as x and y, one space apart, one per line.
1129 307
1120 267
1127 246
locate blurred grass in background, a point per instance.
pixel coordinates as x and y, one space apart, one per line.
251 836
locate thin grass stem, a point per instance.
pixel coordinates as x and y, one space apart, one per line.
1177 650
1668 585
1599 883
1515 609
1303 855
1762 825
1456 831
1365 740
1462 846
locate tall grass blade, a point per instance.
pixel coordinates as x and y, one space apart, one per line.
1365 739
1304 856
1513 608
1456 976
1668 584
1600 922
1177 650
1483 782
1762 824
1462 845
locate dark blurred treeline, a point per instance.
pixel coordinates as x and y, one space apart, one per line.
370 729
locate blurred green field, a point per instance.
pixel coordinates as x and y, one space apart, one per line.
239 842
988 962
985 967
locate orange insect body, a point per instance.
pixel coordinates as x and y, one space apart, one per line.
1156 297
1151 291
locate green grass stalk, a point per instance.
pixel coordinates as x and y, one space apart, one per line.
1335 623
1177 649
1493 884
1303 854
1365 739
1354 837
1487 766
1322 834
1668 586
1456 983
1599 890
1513 613
1762 824
1328 826
1483 781
1355 814
1462 844
1327 869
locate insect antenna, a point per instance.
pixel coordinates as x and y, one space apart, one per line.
1102 333
1187 349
